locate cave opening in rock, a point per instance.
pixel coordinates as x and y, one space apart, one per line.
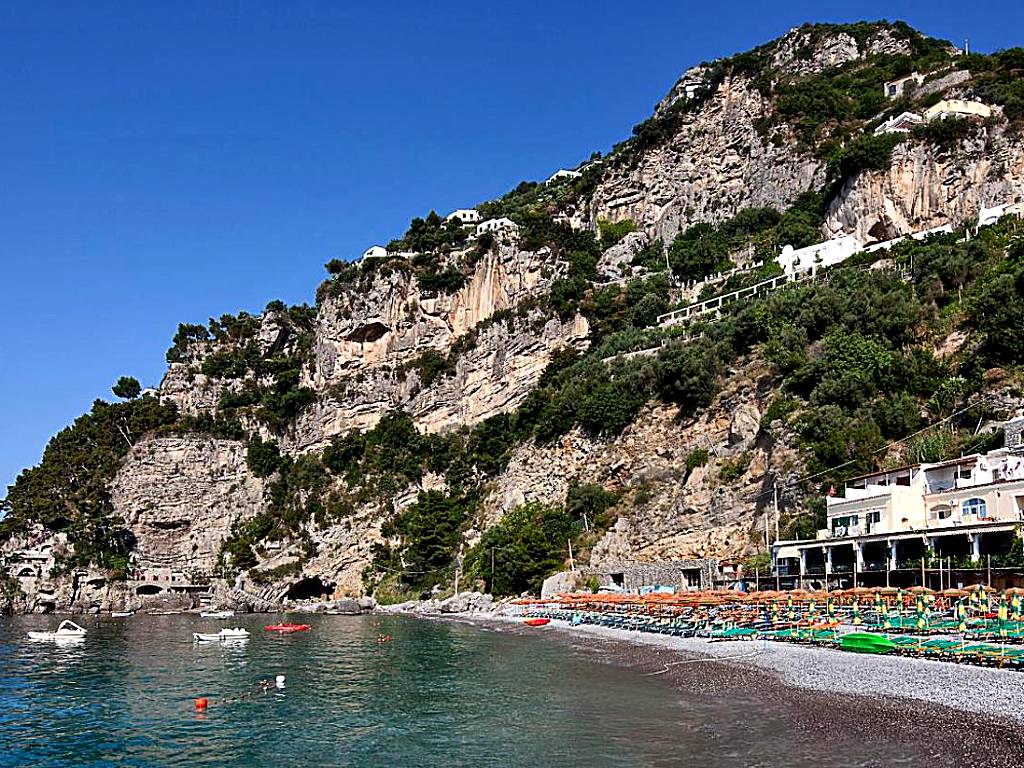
148 589
309 588
880 231
369 332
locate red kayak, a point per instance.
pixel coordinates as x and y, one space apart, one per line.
288 628
536 622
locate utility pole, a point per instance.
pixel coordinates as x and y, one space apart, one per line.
775 507
572 563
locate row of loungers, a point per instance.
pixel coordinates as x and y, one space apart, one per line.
946 649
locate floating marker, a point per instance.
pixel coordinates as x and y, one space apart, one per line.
279 681
201 705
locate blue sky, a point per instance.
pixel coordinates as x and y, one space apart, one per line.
165 162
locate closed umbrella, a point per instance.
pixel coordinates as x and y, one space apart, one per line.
856 612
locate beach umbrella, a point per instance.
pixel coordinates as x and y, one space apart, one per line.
899 602
919 609
1015 606
830 608
789 609
856 612
961 614
811 609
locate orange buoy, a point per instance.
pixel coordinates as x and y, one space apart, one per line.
201 705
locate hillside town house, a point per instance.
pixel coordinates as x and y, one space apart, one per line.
894 89
498 225
885 526
468 216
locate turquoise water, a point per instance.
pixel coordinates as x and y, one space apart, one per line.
439 694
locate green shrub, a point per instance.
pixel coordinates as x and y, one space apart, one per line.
698 457
866 152
262 458
529 544
612 232
733 469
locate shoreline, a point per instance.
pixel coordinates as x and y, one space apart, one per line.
955 715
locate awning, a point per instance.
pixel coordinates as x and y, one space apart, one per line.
786 553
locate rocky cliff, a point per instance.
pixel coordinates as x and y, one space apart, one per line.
264 464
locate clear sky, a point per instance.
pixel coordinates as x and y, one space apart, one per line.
165 162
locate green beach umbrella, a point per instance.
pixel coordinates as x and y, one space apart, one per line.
856 612
830 608
789 609
919 610
899 602
812 608
1015 606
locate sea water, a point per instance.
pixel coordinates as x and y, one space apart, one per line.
435 694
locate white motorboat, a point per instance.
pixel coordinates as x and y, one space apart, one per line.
121 614
236 633
67 630
217 614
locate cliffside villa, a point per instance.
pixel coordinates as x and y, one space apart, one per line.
894 528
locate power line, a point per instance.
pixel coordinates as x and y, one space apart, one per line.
877 451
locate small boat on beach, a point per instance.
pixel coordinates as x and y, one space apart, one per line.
865 642
287 628
121 614
216 614
237 633
67 630
536 622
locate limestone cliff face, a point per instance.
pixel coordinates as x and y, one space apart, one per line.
718 162
928 187
497 375
715 165
366 339
666 512
180 495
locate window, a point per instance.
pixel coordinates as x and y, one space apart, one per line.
940 512
964 472
841 525
903 479
976 507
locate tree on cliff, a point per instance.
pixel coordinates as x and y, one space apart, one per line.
127 388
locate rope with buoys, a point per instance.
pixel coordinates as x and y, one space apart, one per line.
262 688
